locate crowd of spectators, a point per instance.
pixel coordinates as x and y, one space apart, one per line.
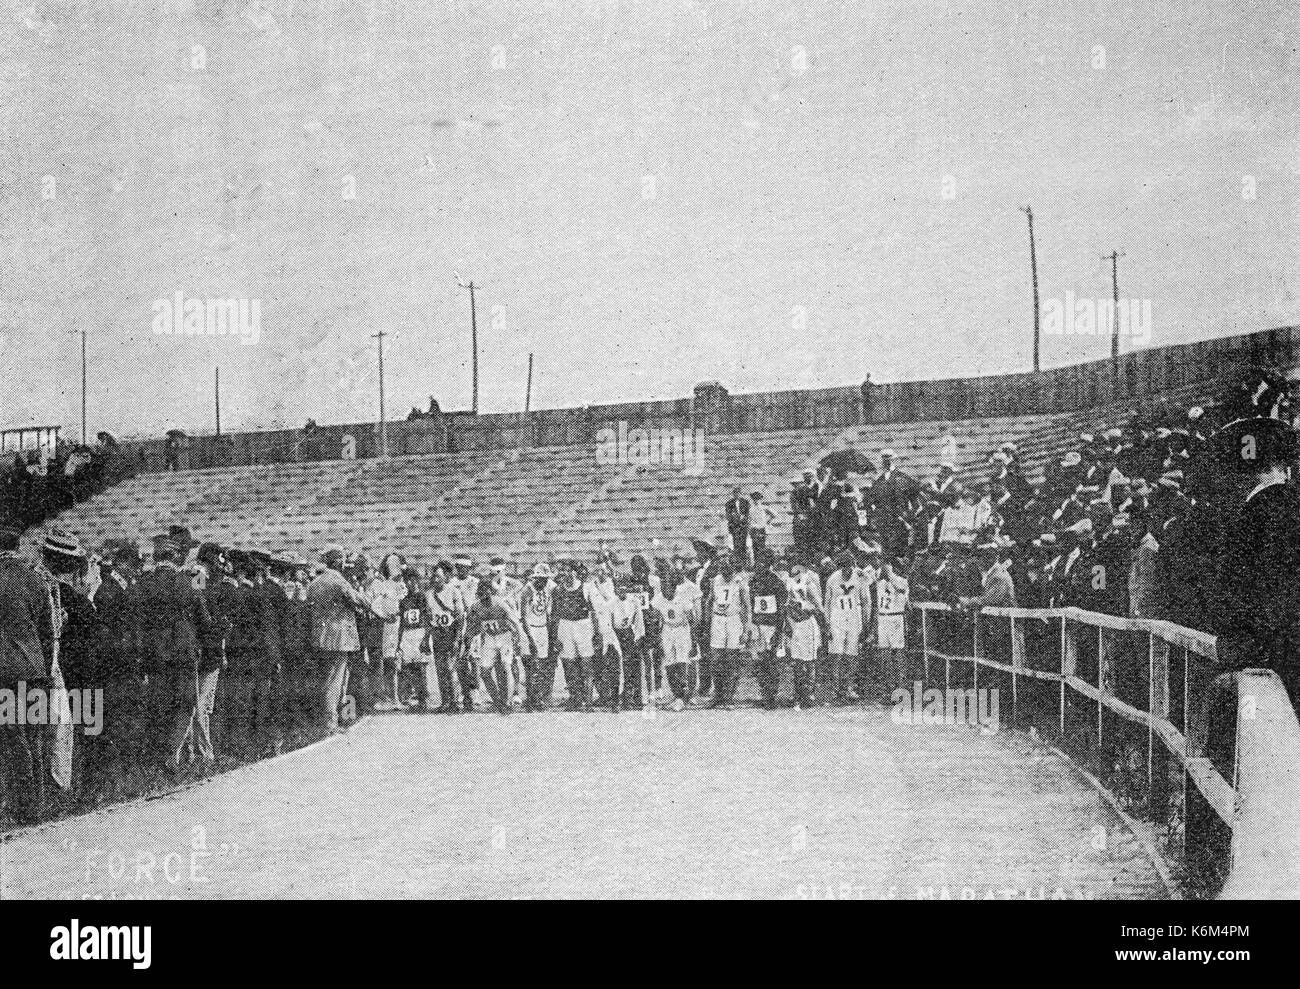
36 485
1126 520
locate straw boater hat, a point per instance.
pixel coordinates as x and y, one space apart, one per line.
63 543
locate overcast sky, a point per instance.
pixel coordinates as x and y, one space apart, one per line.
771 194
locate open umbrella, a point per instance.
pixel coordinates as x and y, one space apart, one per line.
842 462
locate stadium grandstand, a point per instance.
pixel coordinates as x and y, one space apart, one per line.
532 487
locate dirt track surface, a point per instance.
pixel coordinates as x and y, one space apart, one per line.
838 803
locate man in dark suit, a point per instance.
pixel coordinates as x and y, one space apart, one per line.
1256 609
892 495
242 677
738 523
26 650
802 495
273 626
174 621
117 600
214 578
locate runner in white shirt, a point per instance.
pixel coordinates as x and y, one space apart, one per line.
447 621
466 585
628 626
804 619
608 657
535 608
892 597
385 594
729 631
676 601
508 589
848 609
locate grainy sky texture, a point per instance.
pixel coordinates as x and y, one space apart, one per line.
771 194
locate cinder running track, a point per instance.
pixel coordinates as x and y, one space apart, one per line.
826 803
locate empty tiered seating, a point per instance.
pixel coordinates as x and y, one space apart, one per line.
539 503
499 513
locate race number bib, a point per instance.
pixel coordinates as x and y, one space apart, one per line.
765 604
887 598
846 602
643 599
862 517
493 627
443 620
721 601
412 617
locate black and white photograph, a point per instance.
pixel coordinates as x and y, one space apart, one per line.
662 450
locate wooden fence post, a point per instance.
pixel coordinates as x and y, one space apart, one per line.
1105 675
1069 659
1158 706
925 644
1017 663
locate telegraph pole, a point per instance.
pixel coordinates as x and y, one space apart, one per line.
1033 267
217 396
83 386
473 332
383 419
82 331
528 391
1113 257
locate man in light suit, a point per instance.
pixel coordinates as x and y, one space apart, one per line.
997 589
334 604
